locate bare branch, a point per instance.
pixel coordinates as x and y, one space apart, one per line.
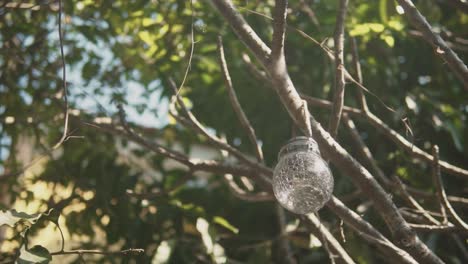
363 150
446 206
64 80
345 162
321 232
310 13
236 105
217 142
339 70
279 30
401 141
413 201
438 228
436 178
400 229
256 72
243 29
296 107
440 46
243 195
99 252
192 49
193 164
284 248
357 69
367 231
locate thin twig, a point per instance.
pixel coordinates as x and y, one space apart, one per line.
193 164
339 156
441 192
438 43
358 71
192 48
243 195
437 228
397 138
367 231
413 201
64 79
331 245
437 182
214 140
236 105
129 251
330 55
338 100
310 13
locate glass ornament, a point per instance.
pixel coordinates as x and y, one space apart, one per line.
302 180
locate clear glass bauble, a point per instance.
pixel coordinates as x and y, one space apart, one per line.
302 180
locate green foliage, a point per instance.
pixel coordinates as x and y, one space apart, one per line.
112 44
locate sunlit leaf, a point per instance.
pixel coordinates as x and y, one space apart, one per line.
36 254
224 223
12 217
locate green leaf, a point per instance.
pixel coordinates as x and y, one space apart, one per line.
365 28
388 39
395 25
146 37
13 217
36 254
224 223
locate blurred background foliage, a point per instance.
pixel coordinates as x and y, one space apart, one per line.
124 52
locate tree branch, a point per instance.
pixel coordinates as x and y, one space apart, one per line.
243 29
279 30
357 69
401 141
217 142
193 164
321 232
339 69
400 229
367 231
441 48
243 195
446 206
236 105
99 252
310 13
299 113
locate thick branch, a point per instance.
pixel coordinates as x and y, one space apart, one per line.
243 29
401 141
400 229
386 208
440 46
276 69
279 30
339 69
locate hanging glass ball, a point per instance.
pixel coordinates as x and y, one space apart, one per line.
302 180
